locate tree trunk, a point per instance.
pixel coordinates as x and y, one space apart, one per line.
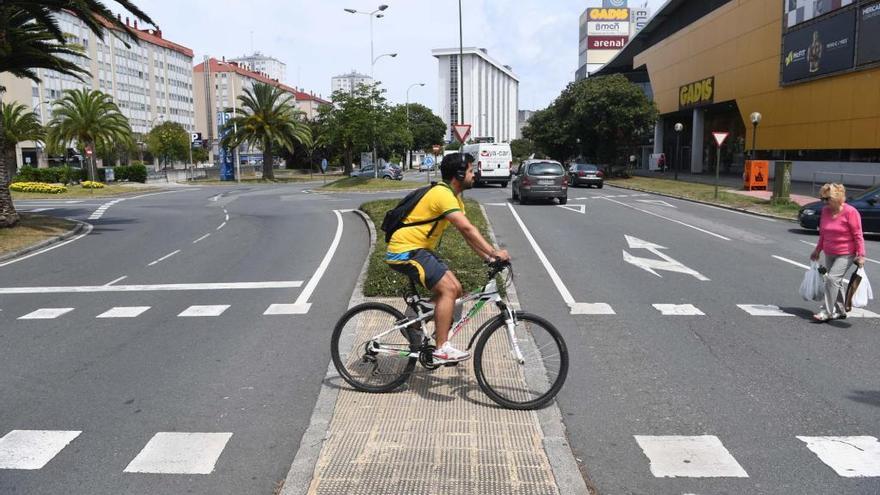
8 216
268 170
347 164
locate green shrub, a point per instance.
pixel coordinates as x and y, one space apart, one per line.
137 173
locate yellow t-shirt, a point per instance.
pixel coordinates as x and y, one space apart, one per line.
440 200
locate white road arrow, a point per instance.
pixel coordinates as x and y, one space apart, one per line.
582 209
650 265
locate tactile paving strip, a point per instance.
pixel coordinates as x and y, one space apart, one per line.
438 434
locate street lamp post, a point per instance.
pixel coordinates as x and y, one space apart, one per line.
756 119
377 14
678 128
373 121
408 151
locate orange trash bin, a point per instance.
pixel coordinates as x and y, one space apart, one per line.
756 175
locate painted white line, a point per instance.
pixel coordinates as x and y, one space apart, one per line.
46 314
38 210
124 312
88 231
163 258
198 311
32 449
756 217
151 288
557 281
592 309
762 310
678 310
302 304
97 214
582 209
861 313
669 219
790 262
850 457
202 238
496 204
657 202
180 453
221 226
120 279
158 193
689 457
813 244
283 309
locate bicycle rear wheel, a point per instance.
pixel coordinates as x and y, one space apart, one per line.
354 352
526 385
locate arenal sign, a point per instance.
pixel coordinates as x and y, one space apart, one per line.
461 131
720 137
606 42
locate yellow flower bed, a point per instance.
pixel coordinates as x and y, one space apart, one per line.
37 187
88 184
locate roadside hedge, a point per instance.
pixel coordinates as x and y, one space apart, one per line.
37 187
69 175
381 281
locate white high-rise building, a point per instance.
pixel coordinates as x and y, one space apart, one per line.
151 81
490 91
264 64
349 82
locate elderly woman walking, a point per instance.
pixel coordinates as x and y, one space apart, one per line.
841 238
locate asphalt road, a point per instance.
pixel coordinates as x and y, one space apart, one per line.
127 385
641 382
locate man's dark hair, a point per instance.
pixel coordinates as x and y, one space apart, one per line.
454 165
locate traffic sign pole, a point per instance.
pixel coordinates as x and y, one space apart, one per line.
719 140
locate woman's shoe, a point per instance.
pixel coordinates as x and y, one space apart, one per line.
838 316
822 316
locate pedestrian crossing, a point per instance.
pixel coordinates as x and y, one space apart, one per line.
667 456
579 309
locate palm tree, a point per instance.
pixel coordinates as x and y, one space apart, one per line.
18 124
31 38
90 118
268 118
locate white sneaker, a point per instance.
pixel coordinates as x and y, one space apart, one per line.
449 354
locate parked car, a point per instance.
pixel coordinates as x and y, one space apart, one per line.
540 179
585 174
868 204
391 172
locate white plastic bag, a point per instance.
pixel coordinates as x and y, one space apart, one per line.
863 292
813 286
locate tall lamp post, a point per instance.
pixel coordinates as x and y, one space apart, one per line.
756 119
373 121
411 86
378 15
678 128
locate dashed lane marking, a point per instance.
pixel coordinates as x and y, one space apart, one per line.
46 314
200 311
152 288
850 457
124 312
163 258
689 457
678 310
32 449
180 453
763 310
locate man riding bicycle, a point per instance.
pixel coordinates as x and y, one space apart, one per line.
411 248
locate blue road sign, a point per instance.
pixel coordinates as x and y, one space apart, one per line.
428 160
324 164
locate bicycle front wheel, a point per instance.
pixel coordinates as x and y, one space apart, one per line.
526 384
366 359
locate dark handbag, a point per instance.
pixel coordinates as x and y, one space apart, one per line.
851 289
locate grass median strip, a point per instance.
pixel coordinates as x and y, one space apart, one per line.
32 229
706 193
468 267
365 184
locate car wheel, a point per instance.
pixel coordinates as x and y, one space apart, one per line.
387 177
564 200
503 185
599 186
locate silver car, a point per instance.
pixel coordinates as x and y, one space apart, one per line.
540 179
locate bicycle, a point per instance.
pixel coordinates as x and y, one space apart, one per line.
375 347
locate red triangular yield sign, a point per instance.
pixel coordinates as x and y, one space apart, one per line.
461 131
720 137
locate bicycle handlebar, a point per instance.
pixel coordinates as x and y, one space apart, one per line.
496 266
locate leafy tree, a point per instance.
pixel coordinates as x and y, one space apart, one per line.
169 142
89 118
200 155
350 122
18 124
521 149
268 118
31 38
453 146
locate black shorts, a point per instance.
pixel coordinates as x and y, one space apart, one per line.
421 265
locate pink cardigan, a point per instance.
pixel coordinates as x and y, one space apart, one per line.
841 235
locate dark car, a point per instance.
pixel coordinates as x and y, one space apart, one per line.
585 174
391 172
540 179
868 204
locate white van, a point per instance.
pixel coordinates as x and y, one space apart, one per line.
493 162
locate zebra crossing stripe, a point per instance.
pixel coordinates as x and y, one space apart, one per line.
850 457
197 311
762 310
284 309
124 312
46 314
689 457
32 449
678 310
180 453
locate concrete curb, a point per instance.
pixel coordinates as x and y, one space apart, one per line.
48 242
302 470
562 461
383 191
723 207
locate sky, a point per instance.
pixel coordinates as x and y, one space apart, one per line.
317 39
